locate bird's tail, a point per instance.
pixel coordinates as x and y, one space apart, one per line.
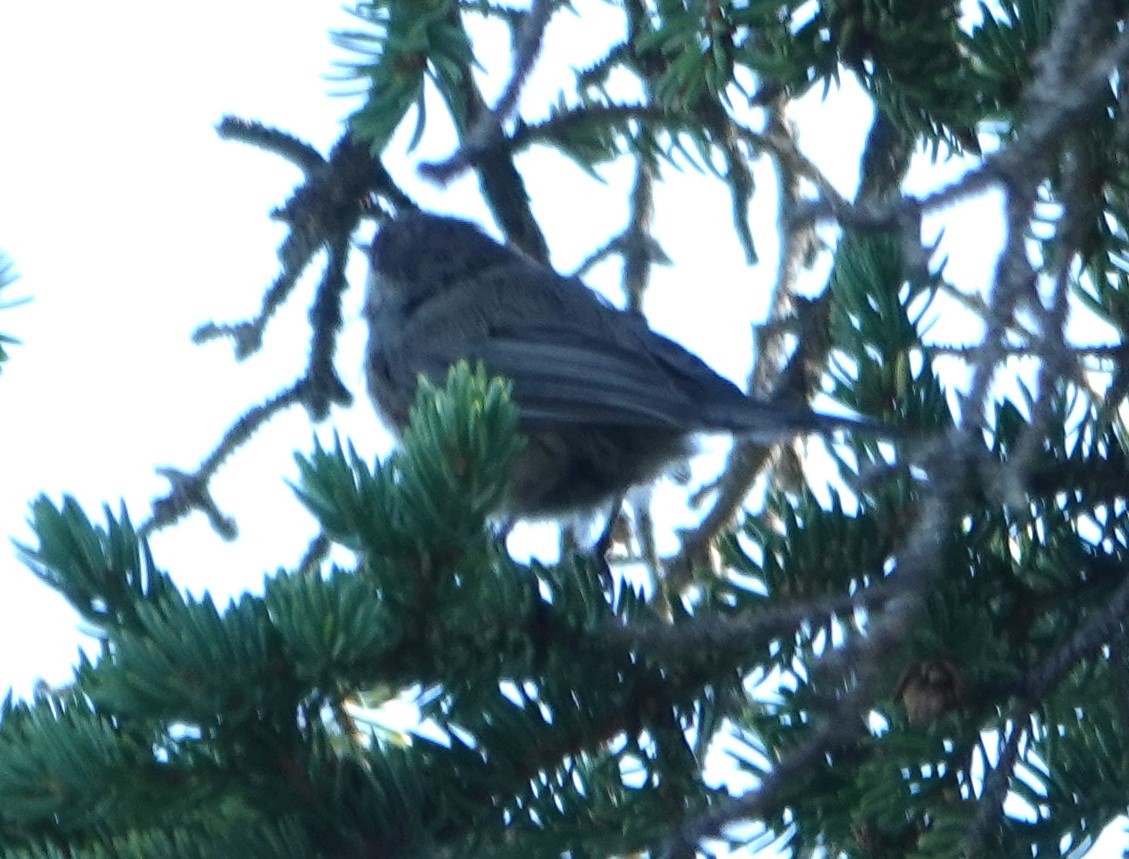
772 421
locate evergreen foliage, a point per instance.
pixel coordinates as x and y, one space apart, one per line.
7 277
882 662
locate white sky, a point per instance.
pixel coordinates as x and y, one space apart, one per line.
131 223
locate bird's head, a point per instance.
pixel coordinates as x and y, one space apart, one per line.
417 254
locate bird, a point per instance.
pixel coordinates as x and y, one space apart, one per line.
605 403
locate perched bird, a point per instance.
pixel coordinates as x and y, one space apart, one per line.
605 403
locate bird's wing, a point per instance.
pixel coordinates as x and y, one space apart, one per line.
563 374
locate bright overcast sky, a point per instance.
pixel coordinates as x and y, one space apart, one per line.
131 223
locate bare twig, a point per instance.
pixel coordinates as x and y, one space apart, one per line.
979 839
322 213
1104 625
1061 106
1100 351
322 388
190 491
486 132
1060 92
774 374
780 142
748 630
636 242
480 132
316 553
298 152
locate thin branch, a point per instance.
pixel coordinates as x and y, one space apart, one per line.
1060 90
502 185
1015 281
1105 625
774 374
281 143
561 124
636 243
322 213
976 304
637 246
1102 351
315 554
782 146
780 142
861 660
595 258
190 491
1078 33
746 459
526 49
486 132
742 466
1059 108
858 664
738 176
247 335
323 388
990 808
747 630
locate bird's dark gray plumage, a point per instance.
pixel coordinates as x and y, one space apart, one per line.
606 403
